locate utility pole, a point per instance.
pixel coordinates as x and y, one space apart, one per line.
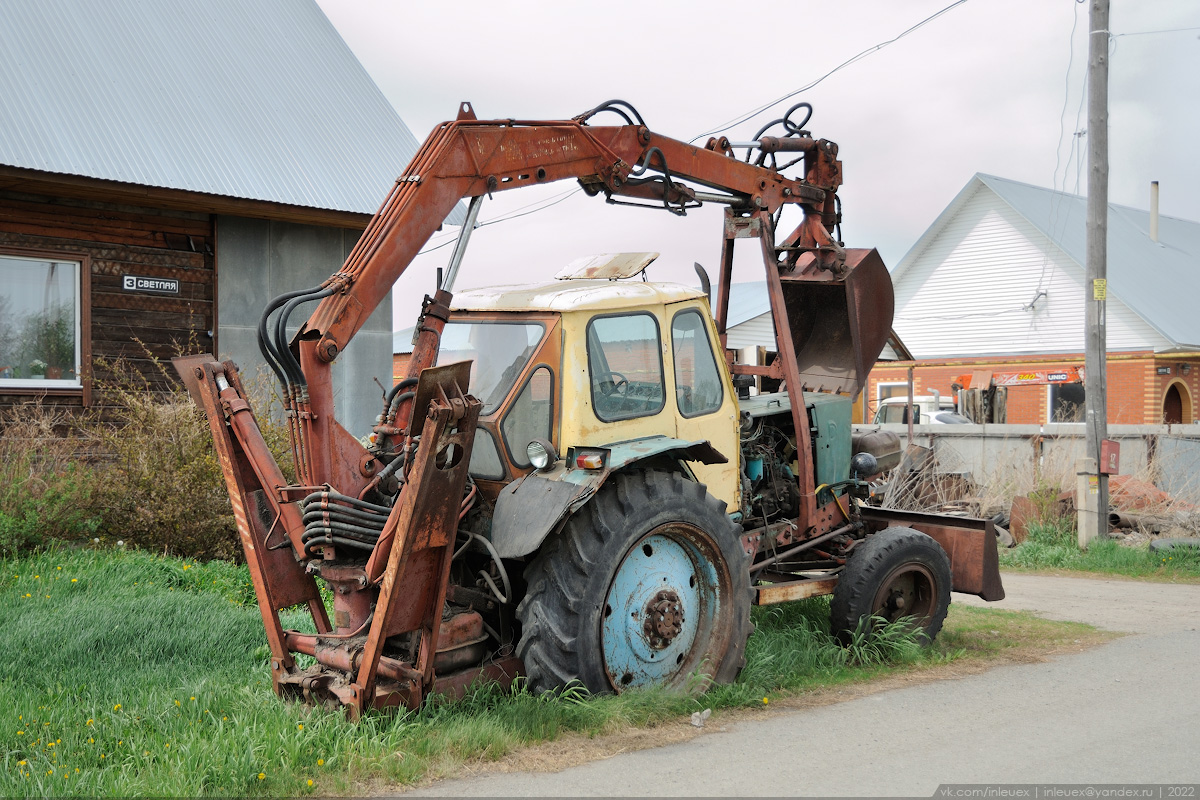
1095 521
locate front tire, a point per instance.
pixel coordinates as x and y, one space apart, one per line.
897 573
647 585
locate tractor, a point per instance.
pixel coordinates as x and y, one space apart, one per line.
574 482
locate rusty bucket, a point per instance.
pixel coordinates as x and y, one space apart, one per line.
839 324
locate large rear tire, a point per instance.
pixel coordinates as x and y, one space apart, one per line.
647 585
896 573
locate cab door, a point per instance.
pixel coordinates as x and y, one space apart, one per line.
704 405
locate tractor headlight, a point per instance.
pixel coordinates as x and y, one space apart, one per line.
541 454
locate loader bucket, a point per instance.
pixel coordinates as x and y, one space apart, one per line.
839 324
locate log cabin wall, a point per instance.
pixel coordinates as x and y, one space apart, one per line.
113 241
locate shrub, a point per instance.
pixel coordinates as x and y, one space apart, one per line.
140 467
162 487
44 492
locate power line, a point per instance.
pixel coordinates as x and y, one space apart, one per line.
741 118
1056 199
857 57
1147 33
509 216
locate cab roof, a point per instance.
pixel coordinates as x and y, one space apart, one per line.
572 295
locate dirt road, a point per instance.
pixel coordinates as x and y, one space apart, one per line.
1124 712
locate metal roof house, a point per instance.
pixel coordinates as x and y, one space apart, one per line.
166 169
997 283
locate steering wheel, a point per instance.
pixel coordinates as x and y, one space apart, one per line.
609 388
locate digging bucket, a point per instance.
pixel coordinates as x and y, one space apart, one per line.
839 324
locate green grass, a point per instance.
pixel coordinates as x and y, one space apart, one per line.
1053 546
126 673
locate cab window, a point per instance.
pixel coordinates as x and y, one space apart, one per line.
530 416
625 366
698 387
498 352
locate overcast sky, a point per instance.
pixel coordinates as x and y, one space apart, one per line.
983 88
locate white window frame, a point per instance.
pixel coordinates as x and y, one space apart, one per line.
78 264
1050 406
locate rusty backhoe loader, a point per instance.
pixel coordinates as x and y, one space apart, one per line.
567 484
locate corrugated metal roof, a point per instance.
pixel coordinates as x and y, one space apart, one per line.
1157 280
402 340
747 301
257 100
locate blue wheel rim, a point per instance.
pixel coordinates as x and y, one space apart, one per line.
659 618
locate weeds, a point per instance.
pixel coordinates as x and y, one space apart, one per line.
141 670
44 493
1054 546
138 468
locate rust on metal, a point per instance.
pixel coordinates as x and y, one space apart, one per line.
970 544
793 590
664 618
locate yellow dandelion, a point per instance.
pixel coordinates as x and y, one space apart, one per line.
27 594
60 568
262 776
300 726
766 701
89 722
167 745
35 577
20 733
176 702
193 698
102 755
189 566
20 763
320 762
117 707
74 580
310 781
91 740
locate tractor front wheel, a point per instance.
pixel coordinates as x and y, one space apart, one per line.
647 585
897 573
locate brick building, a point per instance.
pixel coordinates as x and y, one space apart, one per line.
997 285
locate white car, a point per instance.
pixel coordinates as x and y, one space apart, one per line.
931 409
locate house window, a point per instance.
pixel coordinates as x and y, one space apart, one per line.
40 322
1066 402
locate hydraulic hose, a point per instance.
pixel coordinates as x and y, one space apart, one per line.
265 345
338 540
290 365
407 383
348 515
370 535
332 495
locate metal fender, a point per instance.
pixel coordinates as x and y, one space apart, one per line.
529 508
